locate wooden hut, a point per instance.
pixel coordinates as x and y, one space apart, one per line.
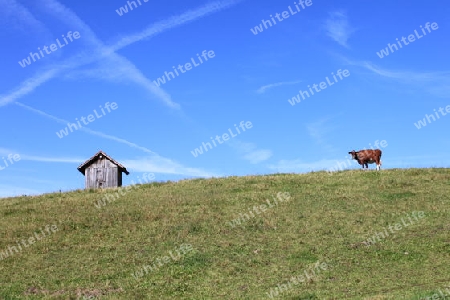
101 171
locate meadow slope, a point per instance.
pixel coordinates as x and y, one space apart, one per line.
187 236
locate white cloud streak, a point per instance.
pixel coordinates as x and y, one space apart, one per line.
264 88
123 67
52 159
4 151
435 83
16 16
249 151
257 156
90 131
172 22
28 86
100 51
338 28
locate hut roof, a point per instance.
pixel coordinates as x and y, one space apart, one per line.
87 163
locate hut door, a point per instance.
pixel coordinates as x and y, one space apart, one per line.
100 178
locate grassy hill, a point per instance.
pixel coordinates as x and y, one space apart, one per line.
183 240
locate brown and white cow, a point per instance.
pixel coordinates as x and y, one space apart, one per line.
365 157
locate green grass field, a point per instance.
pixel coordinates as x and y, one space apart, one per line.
187 237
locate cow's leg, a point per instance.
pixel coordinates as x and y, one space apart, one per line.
378 162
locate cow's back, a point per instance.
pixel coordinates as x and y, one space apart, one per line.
370 154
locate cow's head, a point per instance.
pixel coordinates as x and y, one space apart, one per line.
353 154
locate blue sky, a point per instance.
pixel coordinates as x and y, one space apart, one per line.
113 56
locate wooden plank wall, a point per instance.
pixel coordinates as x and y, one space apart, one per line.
104 171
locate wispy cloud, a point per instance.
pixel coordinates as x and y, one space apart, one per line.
119 69
100 52
406 76
264 88
29 85
257 156
4 151
52 159
173 22
250 152
435 83
338 28
15 15
87 130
